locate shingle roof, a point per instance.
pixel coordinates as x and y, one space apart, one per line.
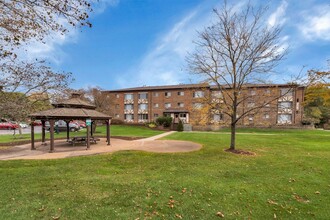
73 108
74 103
69 113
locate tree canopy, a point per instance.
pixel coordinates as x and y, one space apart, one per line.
23 20
236 49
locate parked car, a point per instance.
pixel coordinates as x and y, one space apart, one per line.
61 126
36 123
8 125
23 125
81 124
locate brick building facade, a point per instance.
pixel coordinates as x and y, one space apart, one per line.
202 104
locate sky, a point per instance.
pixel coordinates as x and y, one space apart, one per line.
145 42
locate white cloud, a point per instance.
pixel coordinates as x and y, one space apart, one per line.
278 17
318 26
164 63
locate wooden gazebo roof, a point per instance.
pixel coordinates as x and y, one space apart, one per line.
73 108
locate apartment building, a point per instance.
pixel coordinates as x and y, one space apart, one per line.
261 105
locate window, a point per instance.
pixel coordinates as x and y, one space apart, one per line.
266 116
284 118
143 95
217 94
286 92
267 105
267 91
129 106
156 105
117 96
129 117
198 105
117 106
143 116
198 94
180 93
167 94
117 115
143 106
285 105
217 117
156 115
155 94
252 92
182 115
167 105
129 96
250 117
180 104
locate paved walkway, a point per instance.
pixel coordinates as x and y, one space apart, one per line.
64 150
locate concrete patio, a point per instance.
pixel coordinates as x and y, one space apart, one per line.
64 149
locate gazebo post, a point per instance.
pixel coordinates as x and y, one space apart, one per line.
51 123
108 131
92 128
32 136
67 130
88 136
43 133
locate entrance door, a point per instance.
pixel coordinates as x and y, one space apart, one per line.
176 118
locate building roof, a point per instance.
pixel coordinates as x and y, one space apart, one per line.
191 86
166 87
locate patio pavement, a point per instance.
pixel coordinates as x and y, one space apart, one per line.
64 149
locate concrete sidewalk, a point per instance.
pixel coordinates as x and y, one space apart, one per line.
153 138
64 149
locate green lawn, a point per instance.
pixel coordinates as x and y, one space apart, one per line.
289 178
116 130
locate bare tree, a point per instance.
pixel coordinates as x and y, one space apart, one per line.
22 20
237 49
27 87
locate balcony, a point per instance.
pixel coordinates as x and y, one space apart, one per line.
128 111
287 98
142 111
128 101
143 101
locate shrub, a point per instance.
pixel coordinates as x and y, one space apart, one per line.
151 124
180 126
165 121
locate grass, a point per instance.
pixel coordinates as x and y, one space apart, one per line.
288 179
116 130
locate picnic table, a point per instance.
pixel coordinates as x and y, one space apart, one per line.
83 139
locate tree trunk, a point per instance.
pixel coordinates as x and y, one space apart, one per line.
233 123
232 136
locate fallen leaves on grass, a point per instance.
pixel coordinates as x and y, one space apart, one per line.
171 202
241 152
300 199
272 202
178 216
220 214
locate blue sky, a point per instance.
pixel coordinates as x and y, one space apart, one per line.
145 42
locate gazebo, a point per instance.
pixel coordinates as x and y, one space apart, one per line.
71 109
